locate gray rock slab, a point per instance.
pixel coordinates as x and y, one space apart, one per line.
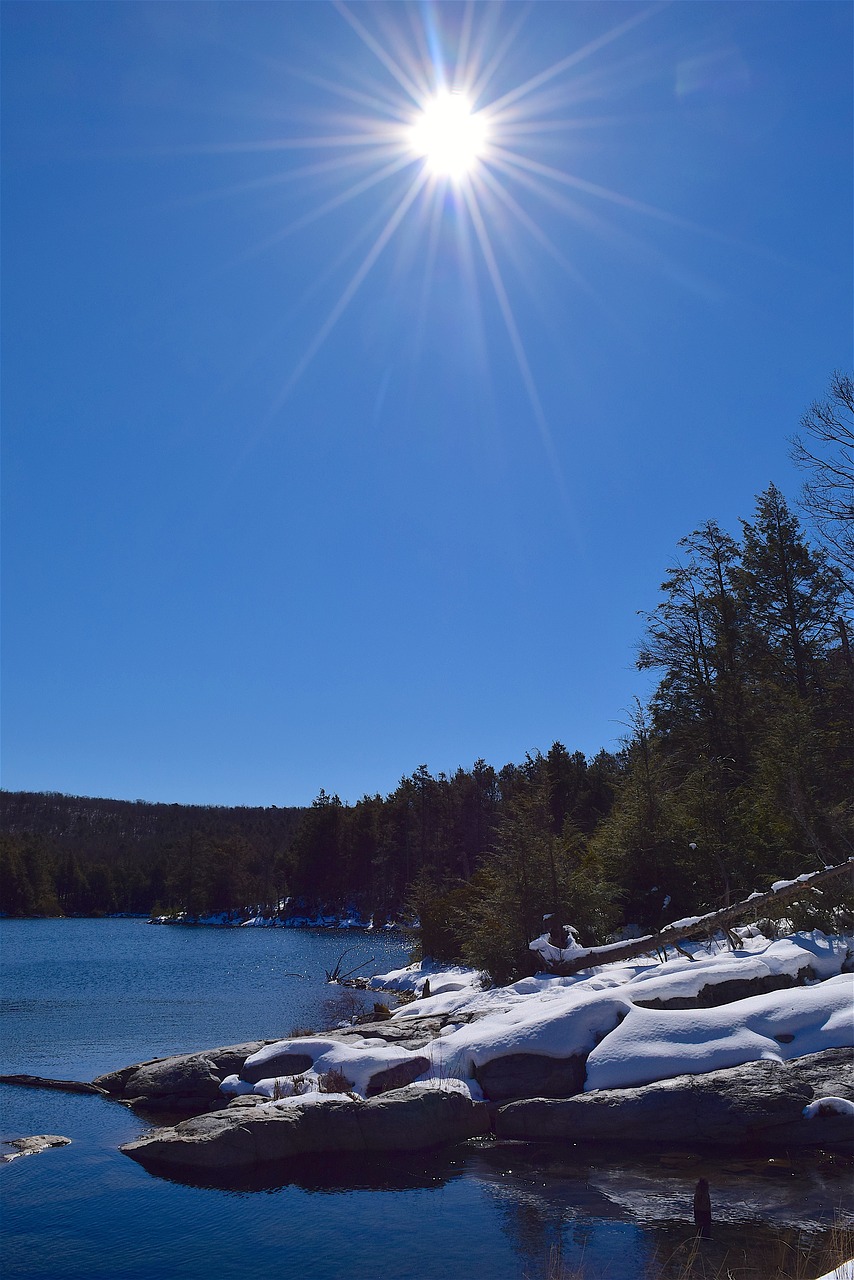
410 1119
408 1033
45 1082
32 1146
760 1103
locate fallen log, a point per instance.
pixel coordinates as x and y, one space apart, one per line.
699 927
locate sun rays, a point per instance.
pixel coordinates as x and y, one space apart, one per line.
441 132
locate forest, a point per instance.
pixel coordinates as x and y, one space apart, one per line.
738 770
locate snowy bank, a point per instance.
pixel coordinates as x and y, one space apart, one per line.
617 1027
645 1051
287 915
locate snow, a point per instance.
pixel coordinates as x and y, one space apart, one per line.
555 955
442 978
257 917
788 884
845 1272
601 1015
829 1106
652 1044
235 1087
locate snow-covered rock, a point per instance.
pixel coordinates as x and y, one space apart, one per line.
612 1028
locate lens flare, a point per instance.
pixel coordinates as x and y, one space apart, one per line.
449 135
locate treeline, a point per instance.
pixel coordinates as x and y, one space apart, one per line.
738 771
71 855
402 853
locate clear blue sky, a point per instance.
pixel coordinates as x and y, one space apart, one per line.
259 542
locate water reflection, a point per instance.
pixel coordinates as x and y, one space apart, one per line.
598 1213
341 1173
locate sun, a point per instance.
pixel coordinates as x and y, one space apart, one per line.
449 135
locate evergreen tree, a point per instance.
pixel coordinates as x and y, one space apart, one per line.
790 594
696 636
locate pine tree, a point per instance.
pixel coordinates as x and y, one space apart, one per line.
790 594
696 636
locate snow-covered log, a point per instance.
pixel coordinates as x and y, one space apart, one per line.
755 905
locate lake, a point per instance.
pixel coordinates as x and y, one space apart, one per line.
84 996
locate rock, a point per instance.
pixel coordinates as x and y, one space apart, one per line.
718 993
411 1119
44 1082
181 1083
759 1103
178 1081
190 1082
408 1033
287 1063
531 1075
397 1077
32 1146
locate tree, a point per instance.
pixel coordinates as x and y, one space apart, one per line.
790 593
826 452
315 854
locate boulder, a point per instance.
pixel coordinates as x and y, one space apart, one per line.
180 1083
176 1081
531 1075
759 1103
397 1077
287 1063
411 1119
730 989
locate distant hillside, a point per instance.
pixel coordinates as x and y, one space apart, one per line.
108 828
68 855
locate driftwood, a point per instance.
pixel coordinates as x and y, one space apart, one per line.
701 927
335 975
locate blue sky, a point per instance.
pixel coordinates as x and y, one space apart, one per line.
259 542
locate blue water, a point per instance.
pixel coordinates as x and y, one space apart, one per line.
81 997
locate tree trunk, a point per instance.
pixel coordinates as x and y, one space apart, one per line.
703 926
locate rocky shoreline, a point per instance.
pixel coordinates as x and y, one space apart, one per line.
764 1107
757 1107
749 1049
760 1108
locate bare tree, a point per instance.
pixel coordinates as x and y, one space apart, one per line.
825 450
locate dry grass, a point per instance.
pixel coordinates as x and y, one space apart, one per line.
334 1081
794 1258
